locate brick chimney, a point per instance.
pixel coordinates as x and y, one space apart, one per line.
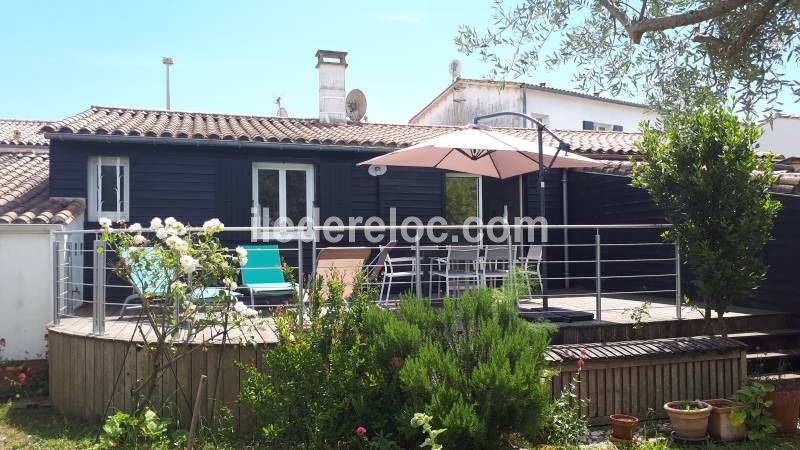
331 66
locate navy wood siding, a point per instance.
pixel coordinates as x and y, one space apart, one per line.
607 199
553 202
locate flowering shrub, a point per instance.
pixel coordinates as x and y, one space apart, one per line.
567 424
187 281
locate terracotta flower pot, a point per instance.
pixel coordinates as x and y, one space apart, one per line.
688 423
785 409
719 423
622 426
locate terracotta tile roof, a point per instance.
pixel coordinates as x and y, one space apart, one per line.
787 182
24 192
22 132
114 121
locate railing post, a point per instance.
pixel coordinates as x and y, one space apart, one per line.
417 266
597 274
99 288
510 245
56 283
300 279
678 299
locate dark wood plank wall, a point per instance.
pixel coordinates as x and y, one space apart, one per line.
607 199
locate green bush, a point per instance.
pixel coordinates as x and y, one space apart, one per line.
474 365
317 385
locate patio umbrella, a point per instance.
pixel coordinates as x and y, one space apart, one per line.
480 150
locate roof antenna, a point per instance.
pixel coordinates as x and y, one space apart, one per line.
281 110
167 61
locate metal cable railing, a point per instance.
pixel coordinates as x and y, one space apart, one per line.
597 261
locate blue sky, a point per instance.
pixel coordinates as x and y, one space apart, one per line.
233 57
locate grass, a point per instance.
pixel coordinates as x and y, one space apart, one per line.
41 428
44 428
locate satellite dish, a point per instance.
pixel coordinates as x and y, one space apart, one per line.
377 171
455 69
355 105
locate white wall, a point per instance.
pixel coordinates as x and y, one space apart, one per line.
566 112
783 137
25 289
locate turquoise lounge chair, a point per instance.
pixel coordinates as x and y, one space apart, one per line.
150 285
263 273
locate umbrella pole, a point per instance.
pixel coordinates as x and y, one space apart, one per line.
543 275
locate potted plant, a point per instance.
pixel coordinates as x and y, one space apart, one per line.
752 411
622 427
689 418
785 407
720 426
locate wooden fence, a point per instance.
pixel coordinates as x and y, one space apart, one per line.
638 377
91 377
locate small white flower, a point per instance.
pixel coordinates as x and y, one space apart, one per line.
104 222
156 223
249 312
230 284
139 239
178 286
133 251
169 221
177 228
162 233
239 307
241 251
135 228
176 243
213 226
188 264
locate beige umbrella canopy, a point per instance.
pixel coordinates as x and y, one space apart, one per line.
480 150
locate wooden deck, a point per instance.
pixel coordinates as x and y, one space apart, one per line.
617 310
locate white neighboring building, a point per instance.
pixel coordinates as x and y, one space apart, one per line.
27 217
560 109
782 136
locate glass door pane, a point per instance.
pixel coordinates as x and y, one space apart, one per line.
296 195
269 195
461 198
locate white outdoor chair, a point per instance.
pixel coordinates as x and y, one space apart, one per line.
496 263
531 265
461 264
394 268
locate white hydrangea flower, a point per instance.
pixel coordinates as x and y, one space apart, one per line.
162 233
104 222
135 228
139 239
156 223
188 264
249 312
176 243
133 251
239 307
177 228
213 226
241 255
169 221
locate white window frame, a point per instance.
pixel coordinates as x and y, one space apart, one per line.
480 190
605 126
310 195
95 186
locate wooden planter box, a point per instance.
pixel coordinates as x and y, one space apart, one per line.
638 377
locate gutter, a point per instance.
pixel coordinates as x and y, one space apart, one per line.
193 142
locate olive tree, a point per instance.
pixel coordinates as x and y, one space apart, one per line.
702 169
666 48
